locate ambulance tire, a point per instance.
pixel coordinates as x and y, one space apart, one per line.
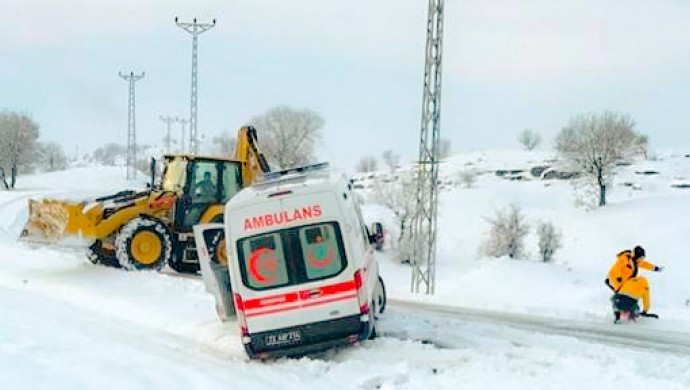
380 296
372 321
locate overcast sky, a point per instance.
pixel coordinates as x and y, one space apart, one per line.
508 65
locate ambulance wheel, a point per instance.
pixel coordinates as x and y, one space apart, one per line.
372 320
380 296
144 243
96 254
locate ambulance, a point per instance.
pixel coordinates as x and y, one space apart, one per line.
300 274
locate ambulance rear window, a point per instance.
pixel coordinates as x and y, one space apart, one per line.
263 264
320 251
291 256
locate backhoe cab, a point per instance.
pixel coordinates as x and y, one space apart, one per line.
146 230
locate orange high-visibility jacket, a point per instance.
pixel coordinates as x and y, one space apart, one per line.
625 268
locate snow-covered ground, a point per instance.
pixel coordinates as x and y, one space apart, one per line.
68 324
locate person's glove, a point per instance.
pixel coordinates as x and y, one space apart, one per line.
659 268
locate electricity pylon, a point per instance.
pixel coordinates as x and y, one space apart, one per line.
131 78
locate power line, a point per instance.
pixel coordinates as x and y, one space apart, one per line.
183 123
131 78
424 220
168 120
195 29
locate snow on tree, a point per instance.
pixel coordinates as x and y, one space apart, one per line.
18 135
529 139
641 145
549 240
593 144
391 160
288 136
224 144
109 153
399 197
506 234
367 164
51 157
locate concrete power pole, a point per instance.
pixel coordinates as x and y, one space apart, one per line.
131 78
424 219
168 120
195 29
183 123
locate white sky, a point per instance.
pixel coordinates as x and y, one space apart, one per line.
508 65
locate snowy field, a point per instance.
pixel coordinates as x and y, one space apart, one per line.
68 324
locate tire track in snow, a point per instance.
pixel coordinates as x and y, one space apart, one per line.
632 336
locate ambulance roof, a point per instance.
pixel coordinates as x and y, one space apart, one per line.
318 180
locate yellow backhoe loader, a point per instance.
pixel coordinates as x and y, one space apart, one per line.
148 229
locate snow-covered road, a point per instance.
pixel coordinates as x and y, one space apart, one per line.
67 324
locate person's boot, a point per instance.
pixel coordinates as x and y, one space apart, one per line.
617 316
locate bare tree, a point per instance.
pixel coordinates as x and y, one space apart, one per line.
18 135
593 144
391 160
549 240
641 145
529 139
51 156
109 153
287 136
224 144
507 232
367 164
399 197
444 148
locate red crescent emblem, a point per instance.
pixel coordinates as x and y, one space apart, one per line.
263 262
320 263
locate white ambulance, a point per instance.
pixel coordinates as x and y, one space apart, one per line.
300 272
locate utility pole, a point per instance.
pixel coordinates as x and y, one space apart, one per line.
424 220
168 120
131 78
195 29
183 123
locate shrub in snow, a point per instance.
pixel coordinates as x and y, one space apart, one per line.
529 139
367 164
468 178
549 240
399 197
506 234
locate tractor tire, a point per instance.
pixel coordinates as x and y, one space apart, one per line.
217 250
96 254
144 243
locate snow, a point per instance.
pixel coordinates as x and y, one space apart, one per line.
69 324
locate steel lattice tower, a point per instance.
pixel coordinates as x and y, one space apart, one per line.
183 123
195 29
131 78
168 120
424 220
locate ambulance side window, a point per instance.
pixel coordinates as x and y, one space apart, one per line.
321 251
362 226
262 261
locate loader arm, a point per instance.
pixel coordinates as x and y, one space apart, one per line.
253 161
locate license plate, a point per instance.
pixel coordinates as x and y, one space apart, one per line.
286 338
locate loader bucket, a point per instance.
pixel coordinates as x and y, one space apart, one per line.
52 220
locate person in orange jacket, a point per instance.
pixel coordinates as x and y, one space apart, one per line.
627 286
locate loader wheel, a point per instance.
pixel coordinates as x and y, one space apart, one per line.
144 243
99 255
218 250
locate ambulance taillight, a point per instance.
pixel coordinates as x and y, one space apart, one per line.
361 295
242 319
